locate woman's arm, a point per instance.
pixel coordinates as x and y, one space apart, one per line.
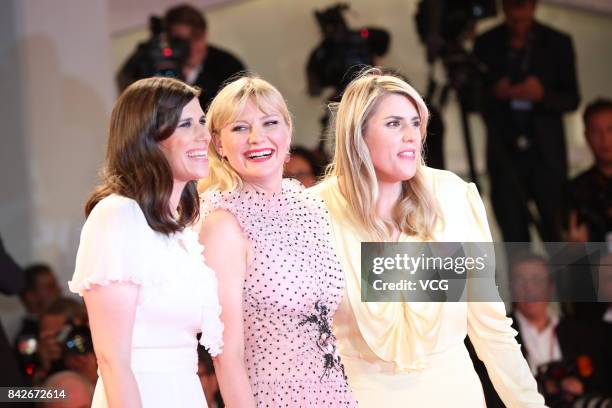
494 341
111 312
490 330
226 251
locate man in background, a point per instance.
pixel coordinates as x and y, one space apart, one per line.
568 367
206 66
530 84
589 201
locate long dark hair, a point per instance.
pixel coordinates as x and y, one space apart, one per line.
146 113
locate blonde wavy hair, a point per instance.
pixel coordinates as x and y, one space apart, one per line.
223 110
417 212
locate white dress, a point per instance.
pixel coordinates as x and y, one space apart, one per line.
177 299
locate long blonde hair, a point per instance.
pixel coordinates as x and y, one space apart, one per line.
417 212
224 109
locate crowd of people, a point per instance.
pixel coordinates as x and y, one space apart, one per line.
273 317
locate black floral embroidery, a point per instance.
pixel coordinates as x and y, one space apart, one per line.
326 342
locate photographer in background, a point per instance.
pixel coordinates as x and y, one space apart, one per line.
64 341
41 289
204 65
589 201
530 84
570 369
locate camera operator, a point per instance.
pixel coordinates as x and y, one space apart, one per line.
206 66
41 289
530 84
64 341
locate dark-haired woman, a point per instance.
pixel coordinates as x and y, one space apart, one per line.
139 266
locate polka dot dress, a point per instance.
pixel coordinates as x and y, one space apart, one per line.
291 292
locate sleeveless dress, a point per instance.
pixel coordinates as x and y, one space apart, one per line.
291 291
177 299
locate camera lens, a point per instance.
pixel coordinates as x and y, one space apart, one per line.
78 341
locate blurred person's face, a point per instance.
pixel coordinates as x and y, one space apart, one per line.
256 144
52 322
187 148
299 168
393 137
599 135
197 39
531 288
47 289
78 395
46 292
50 326
519 18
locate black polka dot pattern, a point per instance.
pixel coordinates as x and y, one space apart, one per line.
292 290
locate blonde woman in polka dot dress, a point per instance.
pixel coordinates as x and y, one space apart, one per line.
267 238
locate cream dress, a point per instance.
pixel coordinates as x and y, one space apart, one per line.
177 298
412 354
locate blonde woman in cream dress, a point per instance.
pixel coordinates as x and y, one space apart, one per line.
378 189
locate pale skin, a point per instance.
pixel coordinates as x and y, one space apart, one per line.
112 308
393 136
251 131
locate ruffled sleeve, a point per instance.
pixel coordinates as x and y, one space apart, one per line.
113 246
212 326
491 333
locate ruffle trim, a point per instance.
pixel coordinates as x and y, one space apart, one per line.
80 287
212 330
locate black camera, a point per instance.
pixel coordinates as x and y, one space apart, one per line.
161 55
342 51
443 26
75 340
